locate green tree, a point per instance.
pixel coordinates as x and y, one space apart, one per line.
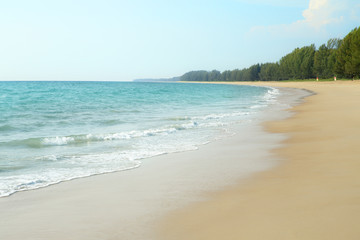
321 65
214 75
225 76
348 55
307 62
333 43
269 72
355 53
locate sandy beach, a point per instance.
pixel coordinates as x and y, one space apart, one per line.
296 180
313 194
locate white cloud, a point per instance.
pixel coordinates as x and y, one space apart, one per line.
316 18
322 12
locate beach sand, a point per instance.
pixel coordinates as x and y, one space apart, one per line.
308 189
313 194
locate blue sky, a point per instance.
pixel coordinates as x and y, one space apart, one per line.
125 40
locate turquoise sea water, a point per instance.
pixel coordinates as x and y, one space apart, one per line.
57 131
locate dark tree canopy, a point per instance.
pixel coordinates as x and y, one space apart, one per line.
338 57
348 55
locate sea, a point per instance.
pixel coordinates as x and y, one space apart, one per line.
52 132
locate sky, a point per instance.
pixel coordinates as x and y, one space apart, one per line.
116 40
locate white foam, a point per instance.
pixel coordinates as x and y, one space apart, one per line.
271 94
220 116
84 166
58 141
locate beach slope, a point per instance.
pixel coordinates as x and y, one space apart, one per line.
313 194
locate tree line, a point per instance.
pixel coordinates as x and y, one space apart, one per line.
338 57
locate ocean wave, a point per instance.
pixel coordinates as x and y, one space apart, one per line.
271 94
11 185
11 168
88 138
269 97
220 116
83 166
178 118
210 120
7 128
48 158
213 116
111 122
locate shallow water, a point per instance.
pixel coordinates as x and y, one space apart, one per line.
56 131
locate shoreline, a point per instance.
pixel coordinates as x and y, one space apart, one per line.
129 204
134 167
312 194
169 126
